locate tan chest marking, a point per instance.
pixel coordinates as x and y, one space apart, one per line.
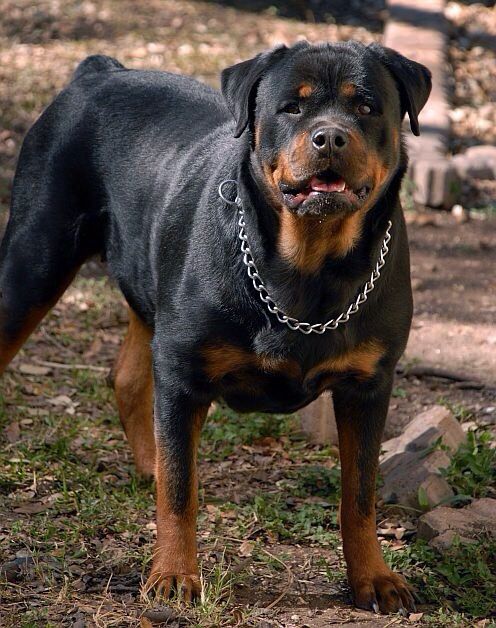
221 360
361 360
305 242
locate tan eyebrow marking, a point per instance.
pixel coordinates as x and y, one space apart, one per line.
347 89
305 90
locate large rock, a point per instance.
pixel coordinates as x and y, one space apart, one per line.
436 182
442 525
409 471
478 162
422 431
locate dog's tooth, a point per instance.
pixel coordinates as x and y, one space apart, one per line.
341 186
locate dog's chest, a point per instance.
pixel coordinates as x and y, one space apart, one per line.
256 382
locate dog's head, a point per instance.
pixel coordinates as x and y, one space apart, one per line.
325 121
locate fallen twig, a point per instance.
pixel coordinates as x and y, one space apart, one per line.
423 370
290 579
61 365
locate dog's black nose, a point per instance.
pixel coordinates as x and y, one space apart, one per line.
330 140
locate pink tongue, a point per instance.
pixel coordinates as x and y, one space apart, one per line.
317 185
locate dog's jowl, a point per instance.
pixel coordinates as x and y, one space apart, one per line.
127 164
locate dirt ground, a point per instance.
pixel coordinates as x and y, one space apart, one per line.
455 312
72 510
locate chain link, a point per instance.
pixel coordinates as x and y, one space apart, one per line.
282 317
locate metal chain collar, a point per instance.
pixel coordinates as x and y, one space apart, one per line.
258 284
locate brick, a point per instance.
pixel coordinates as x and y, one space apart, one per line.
406 472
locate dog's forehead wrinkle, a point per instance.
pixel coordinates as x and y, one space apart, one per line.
329 71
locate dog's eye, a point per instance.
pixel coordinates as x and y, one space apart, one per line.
364 109
291 107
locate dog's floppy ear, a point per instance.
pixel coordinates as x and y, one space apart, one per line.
413 80
239 85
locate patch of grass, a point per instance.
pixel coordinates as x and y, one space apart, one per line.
214 608
399 392
472 470
318 481
461 579
333 572
301 523
460 412
225 429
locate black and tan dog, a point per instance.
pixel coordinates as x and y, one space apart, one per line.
127 164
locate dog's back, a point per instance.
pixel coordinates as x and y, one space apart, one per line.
92 176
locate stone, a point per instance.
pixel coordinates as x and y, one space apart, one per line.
14 570
478 162
424 430
436 182
443 524
460 214
318 421
408 471
444 541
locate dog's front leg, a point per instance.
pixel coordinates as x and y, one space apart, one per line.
178 422
360 416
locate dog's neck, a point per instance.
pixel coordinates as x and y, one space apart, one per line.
307 263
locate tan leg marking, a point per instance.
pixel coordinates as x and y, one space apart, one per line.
369 576
134 392
9 346
175 559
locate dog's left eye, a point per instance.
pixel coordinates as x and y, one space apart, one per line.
291 107
364 109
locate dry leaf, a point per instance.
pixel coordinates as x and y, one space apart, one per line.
32 508
12 432
64 401
246 548
399 533
61 400
34 369
158 615
413 617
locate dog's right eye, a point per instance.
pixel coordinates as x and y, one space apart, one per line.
291 107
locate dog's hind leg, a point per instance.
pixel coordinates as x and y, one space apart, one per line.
34 273
133 381
47 239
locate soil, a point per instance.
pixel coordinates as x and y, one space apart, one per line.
454 323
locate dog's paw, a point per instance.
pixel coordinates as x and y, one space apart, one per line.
387 592
186 586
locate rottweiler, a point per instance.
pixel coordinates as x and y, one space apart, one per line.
257 235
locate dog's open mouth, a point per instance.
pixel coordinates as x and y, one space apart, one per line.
326 185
